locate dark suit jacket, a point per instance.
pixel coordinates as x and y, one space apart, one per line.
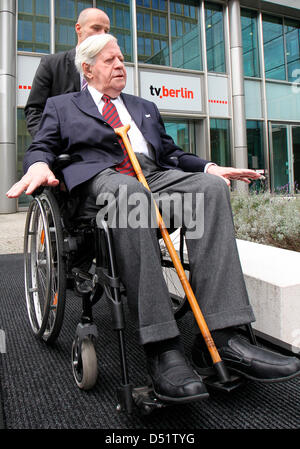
72 124
55 75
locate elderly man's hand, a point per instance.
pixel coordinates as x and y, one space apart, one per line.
38 174
237 174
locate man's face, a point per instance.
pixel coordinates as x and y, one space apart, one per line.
108 74
97 22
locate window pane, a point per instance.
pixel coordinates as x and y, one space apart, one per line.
185 30
273 47
119 13
292 39
153 34
280 159
220 142
23 142
182 132
214 38
250 43
33 26
256 159
66 15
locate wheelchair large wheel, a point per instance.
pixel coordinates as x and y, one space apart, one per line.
44 269
180 303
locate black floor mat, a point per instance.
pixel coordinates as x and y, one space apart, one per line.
38 390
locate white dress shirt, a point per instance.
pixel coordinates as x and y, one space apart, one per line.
137 140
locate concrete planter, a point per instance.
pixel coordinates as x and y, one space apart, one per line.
272 278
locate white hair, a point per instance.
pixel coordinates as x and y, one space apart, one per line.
90 48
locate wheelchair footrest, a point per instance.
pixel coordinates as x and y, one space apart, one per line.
214 383
145 399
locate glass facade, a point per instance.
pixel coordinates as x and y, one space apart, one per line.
281 48
215 45
185 33
153 31
255 144
161 23
280 158
274 47
66 14
292 39
119 13
250 43
220 142
182 132
33 26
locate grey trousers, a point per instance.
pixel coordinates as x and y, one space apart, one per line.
216 275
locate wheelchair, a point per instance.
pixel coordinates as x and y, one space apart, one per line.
64 251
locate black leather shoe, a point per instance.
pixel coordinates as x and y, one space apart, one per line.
250 361
173 379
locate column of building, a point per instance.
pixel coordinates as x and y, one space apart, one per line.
240 153
7 102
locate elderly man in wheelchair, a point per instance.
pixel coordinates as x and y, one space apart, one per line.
86 169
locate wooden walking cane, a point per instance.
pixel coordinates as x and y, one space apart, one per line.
218 363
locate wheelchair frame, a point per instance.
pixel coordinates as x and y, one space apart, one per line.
52 243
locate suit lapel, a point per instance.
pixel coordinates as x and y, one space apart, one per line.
84 101
133 108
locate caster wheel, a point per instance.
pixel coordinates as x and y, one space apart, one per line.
84 363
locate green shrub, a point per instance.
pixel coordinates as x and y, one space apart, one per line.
267 219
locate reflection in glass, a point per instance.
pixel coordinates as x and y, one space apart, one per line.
153 32
273 47
185 32
292 39
66 15
220 142
214 38
250 43
280 161
33 26
255 145
182 132
119 13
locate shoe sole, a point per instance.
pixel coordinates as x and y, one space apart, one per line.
183 400
269 381
206 372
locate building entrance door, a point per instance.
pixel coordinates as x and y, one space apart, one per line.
182 132
285 157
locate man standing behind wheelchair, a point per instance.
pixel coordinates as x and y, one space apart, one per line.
82 123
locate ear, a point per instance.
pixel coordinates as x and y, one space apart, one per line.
77 28
87 71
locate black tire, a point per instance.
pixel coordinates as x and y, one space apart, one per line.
44 267
84 363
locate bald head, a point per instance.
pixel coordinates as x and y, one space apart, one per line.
91 21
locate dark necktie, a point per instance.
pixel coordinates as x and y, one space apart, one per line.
111 116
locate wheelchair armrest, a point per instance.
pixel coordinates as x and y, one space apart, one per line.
63 160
